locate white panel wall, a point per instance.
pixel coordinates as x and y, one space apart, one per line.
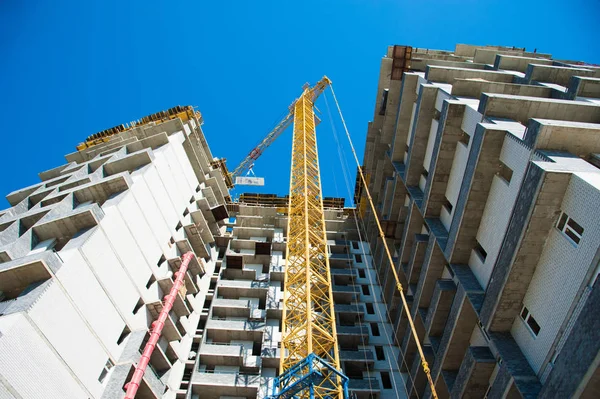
560 273
23 349
137 222
126 248
159 192
70 337
456 173
184 163
498 208
430 143
110 272
91 300
470 120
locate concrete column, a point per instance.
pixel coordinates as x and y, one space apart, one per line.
482 164
420 133
474 374
448 134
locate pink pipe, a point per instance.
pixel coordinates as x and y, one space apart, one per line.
157 327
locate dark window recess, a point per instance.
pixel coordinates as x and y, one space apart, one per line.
524 313
480 252
436 115
138 305
124 334
464 138
570 228
505 172
361 273
385 380
172 240
191 200
384 100
207 304
212 285
186 212
178 227
151 281
379 353
197 189
562 221
535 327
161 260
365 290
370 309
425 173
103 375
354 245
374 329
448 205
358 258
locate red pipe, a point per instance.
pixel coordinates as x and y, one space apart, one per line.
157 327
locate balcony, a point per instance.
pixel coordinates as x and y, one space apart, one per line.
231 307
243 288
364 388
349 313
345 293
224 330
349 336
361 359
227 354
343 276
213 385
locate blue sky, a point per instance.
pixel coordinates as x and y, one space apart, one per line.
72 68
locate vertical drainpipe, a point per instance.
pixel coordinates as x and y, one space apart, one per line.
157 327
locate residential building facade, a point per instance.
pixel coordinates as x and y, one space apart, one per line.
483 166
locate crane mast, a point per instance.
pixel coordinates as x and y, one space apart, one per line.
309 365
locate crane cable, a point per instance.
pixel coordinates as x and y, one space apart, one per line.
424 363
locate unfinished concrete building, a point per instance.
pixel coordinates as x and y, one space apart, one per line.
483 165
88 254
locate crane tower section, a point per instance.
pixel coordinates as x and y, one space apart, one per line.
308 311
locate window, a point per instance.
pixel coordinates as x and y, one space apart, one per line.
361 273
385 380
533 325
124 334
365 290
370 309
570 228
151 281
186 211
374 329
379 353
161 260
109 365
465 138
505 172
138 305
354 245
358 258
178 227
448 205
425 173
384 99
480 251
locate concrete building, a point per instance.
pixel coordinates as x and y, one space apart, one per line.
87 255
483 165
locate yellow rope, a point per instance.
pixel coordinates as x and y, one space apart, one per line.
424 363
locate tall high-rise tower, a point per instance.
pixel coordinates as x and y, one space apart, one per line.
88 254
483 164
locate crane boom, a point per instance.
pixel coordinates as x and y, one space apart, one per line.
257 151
